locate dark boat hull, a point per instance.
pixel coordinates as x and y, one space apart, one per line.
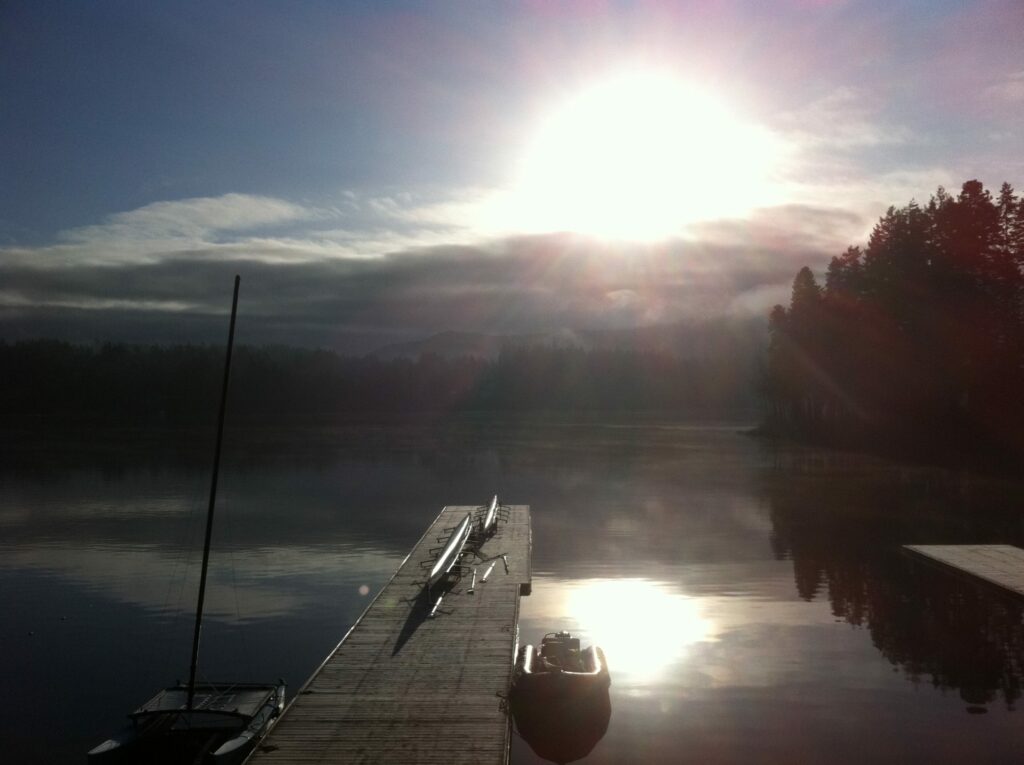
562 729
559 697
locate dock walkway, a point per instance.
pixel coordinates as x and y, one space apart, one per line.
402 687
1001 565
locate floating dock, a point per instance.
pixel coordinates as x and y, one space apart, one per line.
1001 565
402 686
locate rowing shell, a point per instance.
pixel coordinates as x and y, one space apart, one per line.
487 524
451 552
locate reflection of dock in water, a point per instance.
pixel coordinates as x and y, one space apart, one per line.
1000 565
402 687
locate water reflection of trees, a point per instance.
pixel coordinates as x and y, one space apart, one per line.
843 530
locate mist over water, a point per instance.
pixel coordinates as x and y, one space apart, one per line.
751 599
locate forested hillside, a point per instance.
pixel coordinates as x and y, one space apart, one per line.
915 341
57 382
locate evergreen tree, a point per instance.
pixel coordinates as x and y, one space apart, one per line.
917 339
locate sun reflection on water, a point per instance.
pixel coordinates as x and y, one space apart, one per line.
642 625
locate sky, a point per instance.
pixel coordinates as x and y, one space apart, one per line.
378 172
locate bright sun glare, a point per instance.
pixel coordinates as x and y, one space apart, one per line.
638 156
642 626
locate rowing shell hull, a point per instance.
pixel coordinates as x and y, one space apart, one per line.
487 524
451 552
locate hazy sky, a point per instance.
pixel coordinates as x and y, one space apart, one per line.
377 171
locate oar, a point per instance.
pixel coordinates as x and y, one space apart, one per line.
434 609
487 573
472 586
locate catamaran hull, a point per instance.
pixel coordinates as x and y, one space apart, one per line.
175 735
236 749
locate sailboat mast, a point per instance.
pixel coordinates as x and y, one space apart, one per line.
213 497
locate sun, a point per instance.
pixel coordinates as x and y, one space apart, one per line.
639 155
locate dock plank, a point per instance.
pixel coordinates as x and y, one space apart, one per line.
401 687
1000 565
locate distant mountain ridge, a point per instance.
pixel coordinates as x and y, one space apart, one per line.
694 340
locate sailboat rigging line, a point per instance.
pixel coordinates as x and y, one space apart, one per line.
239 628
189 546
174 596
213 497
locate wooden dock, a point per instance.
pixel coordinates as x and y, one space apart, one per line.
1001 565
402 687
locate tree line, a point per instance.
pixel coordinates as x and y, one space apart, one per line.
915 341
55 381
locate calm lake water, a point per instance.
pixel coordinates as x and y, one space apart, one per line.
752 600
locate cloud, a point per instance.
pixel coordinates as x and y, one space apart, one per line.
1009 90
14 300
850 153
844 119
247 227
361 271
195 217
207 226
148 230
756 301
313 292
787 228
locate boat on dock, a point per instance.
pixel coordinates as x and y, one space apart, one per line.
199 722
450 553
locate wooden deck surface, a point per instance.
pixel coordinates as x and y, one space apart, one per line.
1001 565
405 688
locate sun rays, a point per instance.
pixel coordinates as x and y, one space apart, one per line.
637 156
